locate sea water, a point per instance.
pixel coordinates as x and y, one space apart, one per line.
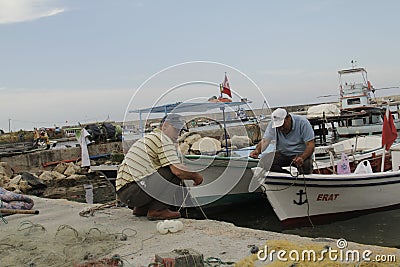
379 228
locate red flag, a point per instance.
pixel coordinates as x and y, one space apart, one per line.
389 131
225 89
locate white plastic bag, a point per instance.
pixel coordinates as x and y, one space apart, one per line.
364 167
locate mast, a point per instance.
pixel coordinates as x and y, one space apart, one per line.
224 120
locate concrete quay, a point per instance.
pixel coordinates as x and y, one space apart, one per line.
59 236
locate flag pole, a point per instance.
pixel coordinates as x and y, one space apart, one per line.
383 158
223 117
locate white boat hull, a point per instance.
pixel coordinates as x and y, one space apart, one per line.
363 129
223 177
317 198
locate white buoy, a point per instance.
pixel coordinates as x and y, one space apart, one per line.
169 226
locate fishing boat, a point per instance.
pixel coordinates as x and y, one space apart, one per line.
356 149
321 197
318 198
226 178
360 113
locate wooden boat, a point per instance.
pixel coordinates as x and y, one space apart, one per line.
320 198
226 179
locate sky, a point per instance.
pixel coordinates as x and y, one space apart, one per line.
64 62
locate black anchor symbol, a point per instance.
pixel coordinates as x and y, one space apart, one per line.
301 202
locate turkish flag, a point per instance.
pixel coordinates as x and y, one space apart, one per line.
225 88
389 131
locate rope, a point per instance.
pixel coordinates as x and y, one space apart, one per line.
308 203
90 211
305 189
195 200
215 262
277 190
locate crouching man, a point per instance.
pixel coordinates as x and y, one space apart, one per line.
151 172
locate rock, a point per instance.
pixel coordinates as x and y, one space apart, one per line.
184 136
32 184
207 145
241 141
55 192
13 184
4 179
15 181
190 140
74 180
48 176
184 148
7 169
61 167
71 169
24 186
72 188
223 142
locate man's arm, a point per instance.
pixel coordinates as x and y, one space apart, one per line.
183 173
260 147
310 146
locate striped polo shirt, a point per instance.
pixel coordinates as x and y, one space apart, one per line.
145 157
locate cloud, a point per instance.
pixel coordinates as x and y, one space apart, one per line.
13 11
29 108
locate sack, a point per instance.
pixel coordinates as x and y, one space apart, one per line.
343 166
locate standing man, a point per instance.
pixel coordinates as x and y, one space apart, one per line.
294 138
151 173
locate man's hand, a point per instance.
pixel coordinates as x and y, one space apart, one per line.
254 154
197 179
299 161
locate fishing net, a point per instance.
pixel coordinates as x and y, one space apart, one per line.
32 245
308 260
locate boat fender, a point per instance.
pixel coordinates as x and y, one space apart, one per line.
172 226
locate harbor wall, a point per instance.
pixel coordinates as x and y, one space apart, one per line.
37 160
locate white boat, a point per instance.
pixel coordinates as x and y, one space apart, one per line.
354 145
360 114
226 179
319 198
364 129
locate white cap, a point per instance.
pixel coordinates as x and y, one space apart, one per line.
278 117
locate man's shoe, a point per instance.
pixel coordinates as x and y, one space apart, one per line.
140 211
162 214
